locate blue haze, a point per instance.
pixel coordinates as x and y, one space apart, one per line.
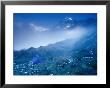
55 44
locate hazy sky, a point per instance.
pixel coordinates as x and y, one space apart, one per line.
41 29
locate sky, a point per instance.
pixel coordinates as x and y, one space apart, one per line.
42 29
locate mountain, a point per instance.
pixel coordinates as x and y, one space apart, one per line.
69 23
68 57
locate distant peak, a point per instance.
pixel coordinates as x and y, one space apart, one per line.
68 18
31 48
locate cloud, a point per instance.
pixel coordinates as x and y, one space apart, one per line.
38 28
76 33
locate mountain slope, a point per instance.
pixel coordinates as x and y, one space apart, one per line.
68 57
